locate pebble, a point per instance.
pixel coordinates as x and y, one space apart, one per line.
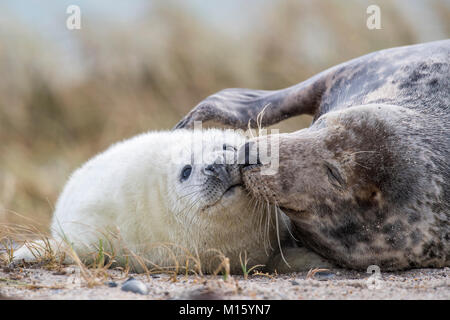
111 284
199 294
60 273
294 283
136 286
323 276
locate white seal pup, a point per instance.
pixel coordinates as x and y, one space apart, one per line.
160 199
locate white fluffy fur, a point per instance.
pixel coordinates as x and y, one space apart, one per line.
131 197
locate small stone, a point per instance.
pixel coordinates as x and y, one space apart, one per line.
135 286
199 294
323 276
294 283
60 272
111 284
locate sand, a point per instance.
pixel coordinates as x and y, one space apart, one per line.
67 283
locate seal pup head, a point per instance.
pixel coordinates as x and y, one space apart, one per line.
198 200
203 173
354 183
164 197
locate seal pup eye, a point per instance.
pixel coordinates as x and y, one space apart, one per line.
186 172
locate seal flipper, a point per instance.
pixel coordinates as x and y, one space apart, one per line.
40 250
237 107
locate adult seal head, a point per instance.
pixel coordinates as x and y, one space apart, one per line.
368 183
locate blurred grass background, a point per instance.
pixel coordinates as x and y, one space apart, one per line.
66 95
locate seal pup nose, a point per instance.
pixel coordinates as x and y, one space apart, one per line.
221 171
248 156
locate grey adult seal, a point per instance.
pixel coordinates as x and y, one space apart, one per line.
369 181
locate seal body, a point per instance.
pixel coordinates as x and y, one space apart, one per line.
368 183
154 202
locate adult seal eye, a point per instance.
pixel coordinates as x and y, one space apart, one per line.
186 172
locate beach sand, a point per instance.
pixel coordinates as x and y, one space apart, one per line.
67 283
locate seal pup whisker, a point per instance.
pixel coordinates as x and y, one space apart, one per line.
186 210
189 194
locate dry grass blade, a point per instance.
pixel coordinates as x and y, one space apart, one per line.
263 274
32 286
